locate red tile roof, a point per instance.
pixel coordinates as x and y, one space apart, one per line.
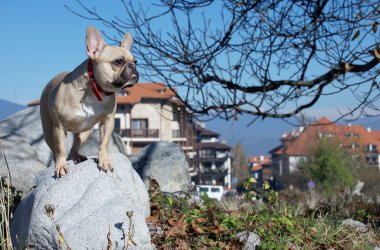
259 162
260 159
145 91
299 143
138 92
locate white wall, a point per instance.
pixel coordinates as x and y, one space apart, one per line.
160 116
293 163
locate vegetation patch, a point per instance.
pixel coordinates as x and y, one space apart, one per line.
181 223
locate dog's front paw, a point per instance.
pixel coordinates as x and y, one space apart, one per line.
104 162
61 169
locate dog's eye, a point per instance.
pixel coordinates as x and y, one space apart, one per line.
119 62
135 61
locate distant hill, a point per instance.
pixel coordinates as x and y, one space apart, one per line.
257 139
8 108
369 122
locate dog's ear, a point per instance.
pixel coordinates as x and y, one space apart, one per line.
127 41
94 42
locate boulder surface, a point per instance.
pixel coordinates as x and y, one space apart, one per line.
19 161
85 207
165 162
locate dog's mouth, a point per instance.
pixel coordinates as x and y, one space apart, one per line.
122 84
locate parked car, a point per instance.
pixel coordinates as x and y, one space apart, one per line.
213 192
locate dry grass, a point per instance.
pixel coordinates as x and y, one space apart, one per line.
5 204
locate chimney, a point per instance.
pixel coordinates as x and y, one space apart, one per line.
369 130
301 129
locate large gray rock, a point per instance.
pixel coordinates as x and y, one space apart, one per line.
27 125
86 203
165 162
19 161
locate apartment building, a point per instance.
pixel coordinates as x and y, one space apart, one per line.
213 159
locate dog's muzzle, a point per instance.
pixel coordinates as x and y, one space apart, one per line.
128 77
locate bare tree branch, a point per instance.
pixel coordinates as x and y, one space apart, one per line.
273 58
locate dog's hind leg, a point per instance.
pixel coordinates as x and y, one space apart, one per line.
79 139
47 127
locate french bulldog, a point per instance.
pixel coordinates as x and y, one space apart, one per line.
76 101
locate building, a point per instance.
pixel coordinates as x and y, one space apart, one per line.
260 167
213 159
296 145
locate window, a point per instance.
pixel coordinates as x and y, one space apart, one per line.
175 115
371 148
330 135
120 107
117 123
351 134
139 123
215 190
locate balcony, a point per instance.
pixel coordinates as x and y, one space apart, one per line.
213 157
205 171
138 133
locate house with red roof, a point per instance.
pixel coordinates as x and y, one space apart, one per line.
260 167
297 144
149 112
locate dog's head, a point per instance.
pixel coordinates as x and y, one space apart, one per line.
114 67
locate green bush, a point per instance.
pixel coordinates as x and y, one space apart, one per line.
329 166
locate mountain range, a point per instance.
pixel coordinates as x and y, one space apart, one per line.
8 108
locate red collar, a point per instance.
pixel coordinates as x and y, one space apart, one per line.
95 87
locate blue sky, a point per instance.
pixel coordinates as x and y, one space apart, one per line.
38 39
41 38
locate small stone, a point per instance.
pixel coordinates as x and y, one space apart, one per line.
356 225
250 240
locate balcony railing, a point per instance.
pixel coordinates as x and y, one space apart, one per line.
177 134
214 172
138 133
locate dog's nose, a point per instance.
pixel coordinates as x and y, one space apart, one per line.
132 66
